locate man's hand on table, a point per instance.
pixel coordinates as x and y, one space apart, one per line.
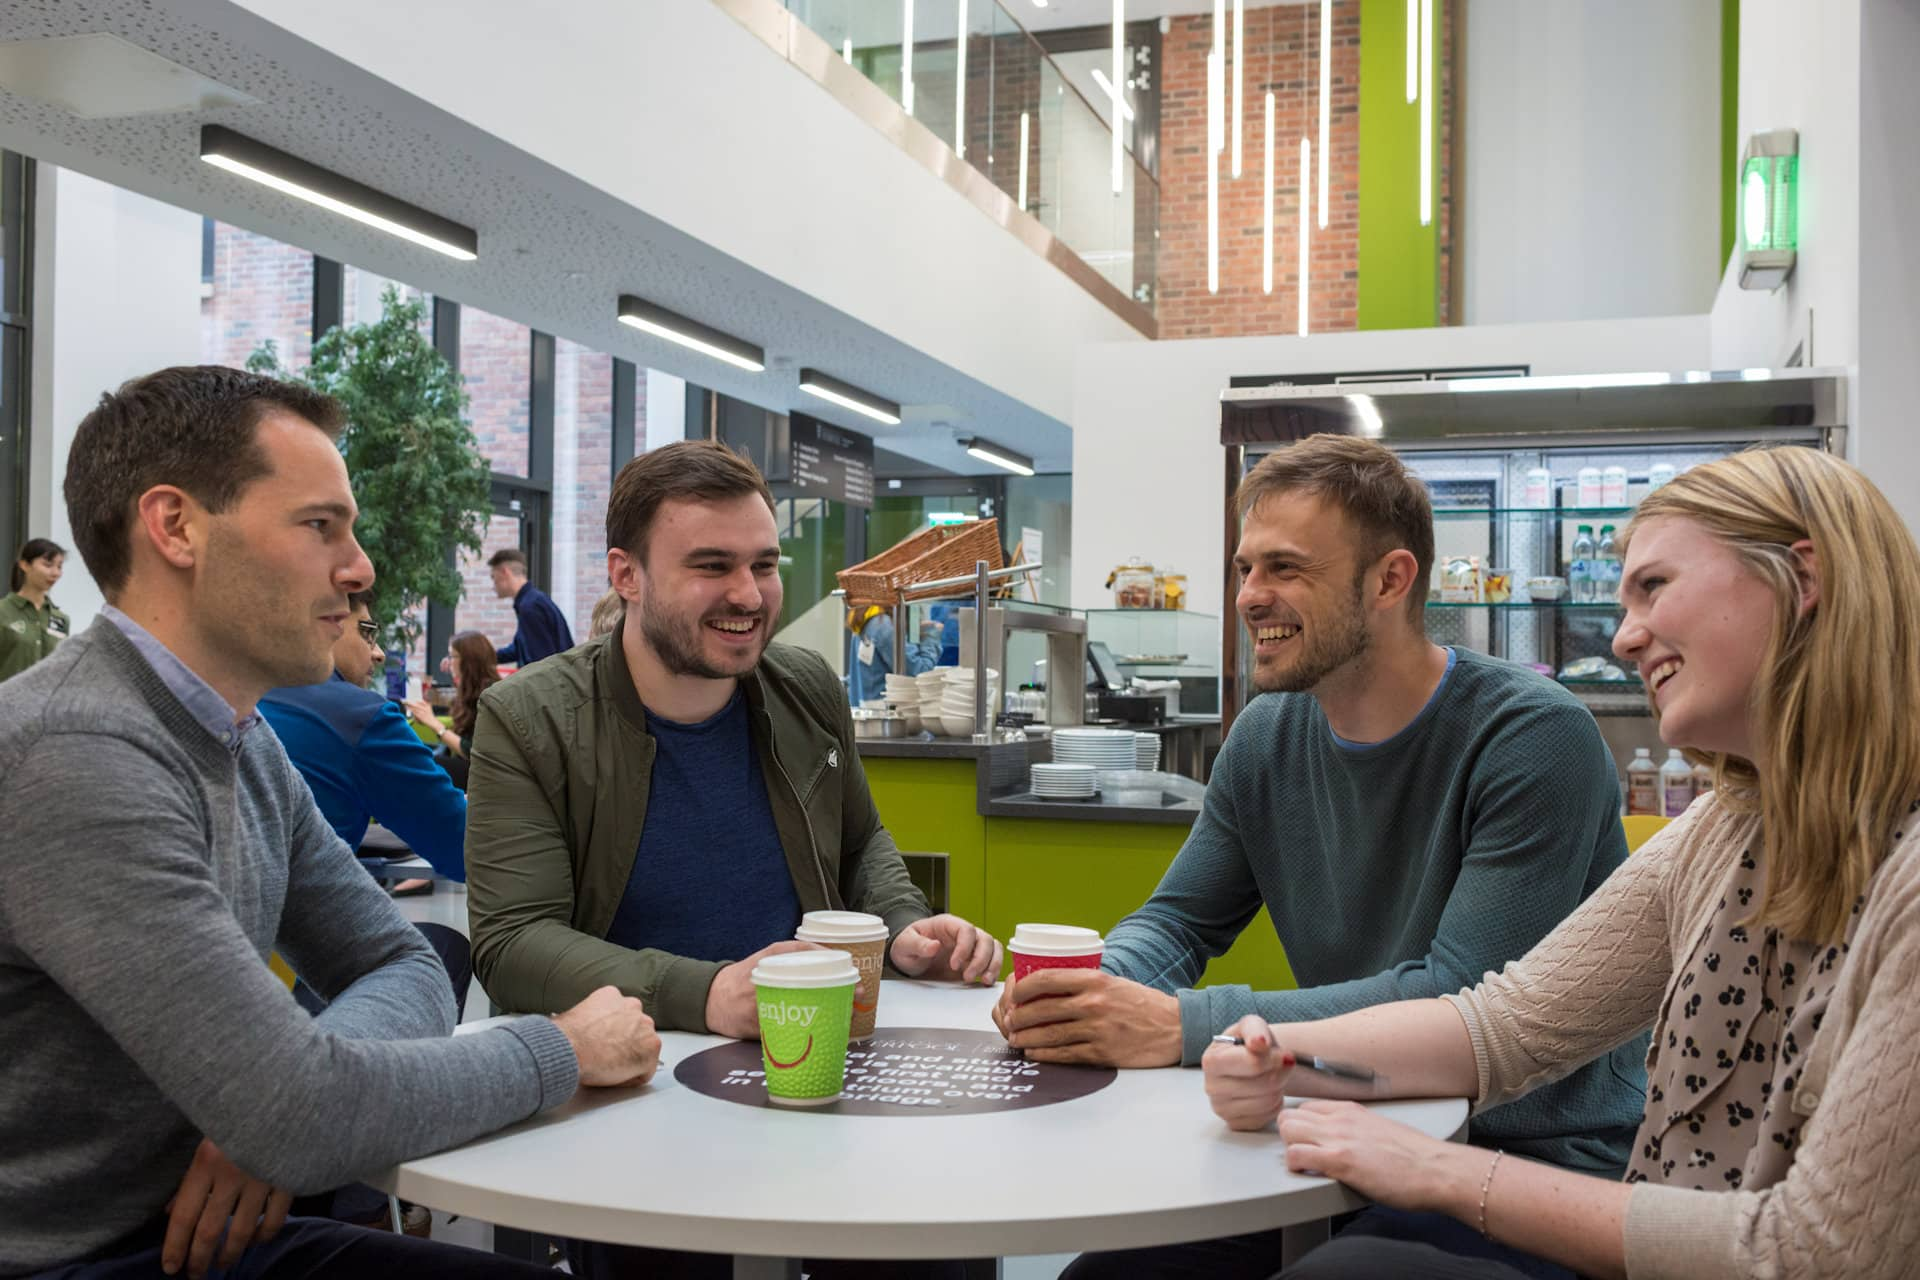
215 1196
733 1009
946 948
613 1039
1089 1018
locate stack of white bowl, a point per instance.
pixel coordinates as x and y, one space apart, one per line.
1101 748
956 706
1146 750
1063 781
903 696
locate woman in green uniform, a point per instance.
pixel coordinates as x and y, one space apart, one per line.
29 624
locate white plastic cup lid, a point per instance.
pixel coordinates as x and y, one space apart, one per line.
841 926
1056 940
795 969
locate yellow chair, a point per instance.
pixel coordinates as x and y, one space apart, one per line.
1641 827
280 969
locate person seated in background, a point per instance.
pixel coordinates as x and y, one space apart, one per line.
540 628
1411 816
362 760
30 625
471 663
1770 935
607 611
164 1094
870 652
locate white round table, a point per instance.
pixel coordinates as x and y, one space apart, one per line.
1141 1162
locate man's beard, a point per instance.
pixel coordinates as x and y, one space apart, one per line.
677 641
1341 640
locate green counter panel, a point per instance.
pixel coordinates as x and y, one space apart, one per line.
930 806
1095 873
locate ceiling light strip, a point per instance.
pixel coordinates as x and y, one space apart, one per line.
998 455
1306 228
1119 76
1326 100
1426 112
960 86
1106 91
691 334
1213 222
1266 199
1239 74
292 176
847 396
906 55
1024 120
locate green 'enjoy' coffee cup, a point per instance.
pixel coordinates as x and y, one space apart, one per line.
806 1011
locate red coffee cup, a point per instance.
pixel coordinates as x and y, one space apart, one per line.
1054 946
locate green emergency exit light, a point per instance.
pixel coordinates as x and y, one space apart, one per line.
1769 209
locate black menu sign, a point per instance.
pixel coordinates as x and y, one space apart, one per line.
831 463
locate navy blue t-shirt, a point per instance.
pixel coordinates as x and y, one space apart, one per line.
710 881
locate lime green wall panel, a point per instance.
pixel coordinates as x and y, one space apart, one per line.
930 806
1729 122
1398 259
1093 874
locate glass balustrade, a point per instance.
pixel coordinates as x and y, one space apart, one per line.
1038 125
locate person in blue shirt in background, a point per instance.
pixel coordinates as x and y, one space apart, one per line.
870 651
362 759
542 628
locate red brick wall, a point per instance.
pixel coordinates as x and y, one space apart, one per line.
261 289
496 361
1283 55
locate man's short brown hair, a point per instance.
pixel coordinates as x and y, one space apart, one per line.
1385 502
688 470
192 426
509 555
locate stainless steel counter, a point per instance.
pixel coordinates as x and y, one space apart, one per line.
1002 788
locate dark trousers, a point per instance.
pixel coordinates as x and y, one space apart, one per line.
318 1249
592 1261
1375 1242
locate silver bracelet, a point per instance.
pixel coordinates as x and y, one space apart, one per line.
1484 1185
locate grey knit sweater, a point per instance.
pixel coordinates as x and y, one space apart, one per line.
145 873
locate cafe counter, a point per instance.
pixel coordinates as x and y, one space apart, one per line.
981 845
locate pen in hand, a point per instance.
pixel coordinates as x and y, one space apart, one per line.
1335 1070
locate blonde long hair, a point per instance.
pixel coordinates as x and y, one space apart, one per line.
1836 704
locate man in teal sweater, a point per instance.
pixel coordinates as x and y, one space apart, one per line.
1411 816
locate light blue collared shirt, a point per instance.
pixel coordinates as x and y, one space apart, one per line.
195 694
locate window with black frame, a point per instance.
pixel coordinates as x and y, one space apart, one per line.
16 240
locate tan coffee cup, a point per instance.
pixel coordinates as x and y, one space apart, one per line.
864 938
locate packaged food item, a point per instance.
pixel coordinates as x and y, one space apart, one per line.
1498 586
1460 580
1658 474
1132 585
1547 587
1171 588
1613 487
1586 487
1539 490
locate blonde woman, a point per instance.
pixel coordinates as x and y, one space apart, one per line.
1771 936
607 612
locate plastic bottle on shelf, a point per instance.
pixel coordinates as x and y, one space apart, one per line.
1643 783
1539 491
1580 566
1613 486
1702 780
1606 567
1676 784
1586 487
1658 474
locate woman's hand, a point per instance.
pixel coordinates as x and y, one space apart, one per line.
1382 1159
1246 1083
422 711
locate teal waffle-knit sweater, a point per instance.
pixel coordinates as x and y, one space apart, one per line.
1401 870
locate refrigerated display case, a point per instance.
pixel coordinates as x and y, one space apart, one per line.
1503 459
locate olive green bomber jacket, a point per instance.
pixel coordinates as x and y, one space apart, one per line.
557 798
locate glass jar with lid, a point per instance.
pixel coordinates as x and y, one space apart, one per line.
1132 585
1170 590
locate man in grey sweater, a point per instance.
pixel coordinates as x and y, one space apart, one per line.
164 1094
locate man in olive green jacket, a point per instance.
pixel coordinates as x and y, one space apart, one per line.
601 820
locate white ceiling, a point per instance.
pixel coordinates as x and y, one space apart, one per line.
555 252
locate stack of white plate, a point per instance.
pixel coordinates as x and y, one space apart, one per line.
1063 781
1101 748
902 688
1146 751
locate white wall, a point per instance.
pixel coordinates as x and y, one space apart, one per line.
1147 460
116 294
1592 174
1800 69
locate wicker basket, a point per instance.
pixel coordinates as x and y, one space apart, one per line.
940 551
